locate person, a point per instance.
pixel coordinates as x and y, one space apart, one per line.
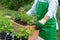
45 12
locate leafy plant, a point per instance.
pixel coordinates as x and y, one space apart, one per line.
4 11
7 26
19 15
23 32
22 16
14 4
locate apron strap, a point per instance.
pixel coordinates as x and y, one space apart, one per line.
42 0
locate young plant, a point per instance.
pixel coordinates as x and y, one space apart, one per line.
6 25
24 18
21 31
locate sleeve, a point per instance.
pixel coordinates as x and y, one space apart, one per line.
32 10
53 4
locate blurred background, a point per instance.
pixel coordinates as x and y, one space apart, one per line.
15 5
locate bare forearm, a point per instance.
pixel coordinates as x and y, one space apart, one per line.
44 20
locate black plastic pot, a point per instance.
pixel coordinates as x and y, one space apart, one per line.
15 38
9 37
2 35
24 38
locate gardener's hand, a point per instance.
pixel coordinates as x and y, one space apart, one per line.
44 20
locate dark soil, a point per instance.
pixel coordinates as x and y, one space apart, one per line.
21 22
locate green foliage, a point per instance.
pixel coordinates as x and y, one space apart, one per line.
14 4
22 16
58 13
16 16
58 19
22 32
19 15
4 11
59 2
5 25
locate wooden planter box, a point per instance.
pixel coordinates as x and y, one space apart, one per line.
35 33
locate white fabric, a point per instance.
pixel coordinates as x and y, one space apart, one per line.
53 4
